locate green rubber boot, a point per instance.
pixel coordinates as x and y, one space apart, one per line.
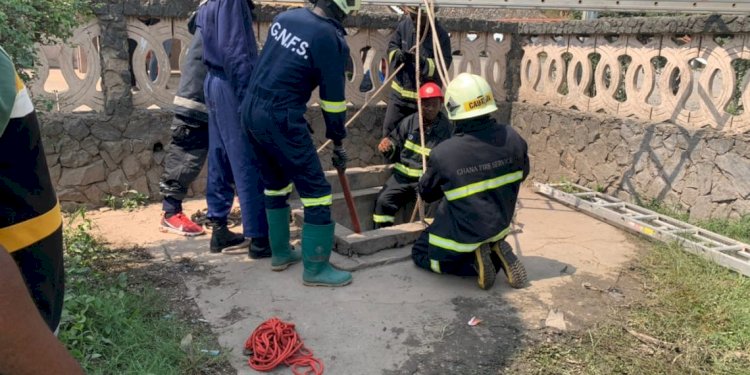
317 243
282 254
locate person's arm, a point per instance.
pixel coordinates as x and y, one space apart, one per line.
395 55
330 56
396 139
237 40
430 184
445 46
27 346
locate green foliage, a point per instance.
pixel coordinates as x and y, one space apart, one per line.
696 308
115 324
23 23
129 200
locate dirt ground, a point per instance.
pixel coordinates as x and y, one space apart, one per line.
397 319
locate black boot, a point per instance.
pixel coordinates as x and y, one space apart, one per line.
484 266
504 258
222 239
260 247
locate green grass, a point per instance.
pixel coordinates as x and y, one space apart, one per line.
699 308
115 324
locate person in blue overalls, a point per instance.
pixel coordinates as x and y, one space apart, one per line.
230 54
305 49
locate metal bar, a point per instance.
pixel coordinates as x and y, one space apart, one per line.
671 6
610 205
584 194
644 217
729 248
735 261
683 231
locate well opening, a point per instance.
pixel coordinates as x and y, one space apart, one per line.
365 185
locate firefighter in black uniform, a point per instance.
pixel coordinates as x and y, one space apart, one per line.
402 101
404 148
30 216
476 175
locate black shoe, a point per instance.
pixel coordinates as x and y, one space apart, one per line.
222 239
485 269
503 258
259 248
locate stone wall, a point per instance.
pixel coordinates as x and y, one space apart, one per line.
91 156
704 171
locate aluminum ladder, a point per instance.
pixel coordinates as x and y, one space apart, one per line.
724 251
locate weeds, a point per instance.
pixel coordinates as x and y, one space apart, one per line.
115 325
696 307
129 200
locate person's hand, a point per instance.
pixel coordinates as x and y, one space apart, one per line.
398 57
385 145
339 157
408 56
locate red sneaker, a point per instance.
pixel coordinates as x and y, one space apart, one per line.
182 225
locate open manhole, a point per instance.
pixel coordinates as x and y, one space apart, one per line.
365 184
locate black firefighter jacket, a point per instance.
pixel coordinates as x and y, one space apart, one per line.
404 85
477 173
407 151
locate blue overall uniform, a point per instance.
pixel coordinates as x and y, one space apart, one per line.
303 51
230 54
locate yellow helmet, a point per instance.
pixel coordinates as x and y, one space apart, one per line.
348 6
468 96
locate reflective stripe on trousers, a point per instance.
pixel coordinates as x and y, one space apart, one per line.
449 244
383 218
325 200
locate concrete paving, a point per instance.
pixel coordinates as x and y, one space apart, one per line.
396 318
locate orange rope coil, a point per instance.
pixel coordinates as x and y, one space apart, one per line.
275 342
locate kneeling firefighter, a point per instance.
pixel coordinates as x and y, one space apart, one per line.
305 49
476 175
403 147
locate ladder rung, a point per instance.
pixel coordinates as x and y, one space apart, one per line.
644 217
585 194
744 254
607 205
683 231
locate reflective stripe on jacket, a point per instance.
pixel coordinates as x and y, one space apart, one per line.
407 153
477 173
403 87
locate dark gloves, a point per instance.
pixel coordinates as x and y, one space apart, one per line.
339 157
398 57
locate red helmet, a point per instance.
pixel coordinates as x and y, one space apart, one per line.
430 90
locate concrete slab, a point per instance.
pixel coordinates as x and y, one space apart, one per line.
381 258
396 318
